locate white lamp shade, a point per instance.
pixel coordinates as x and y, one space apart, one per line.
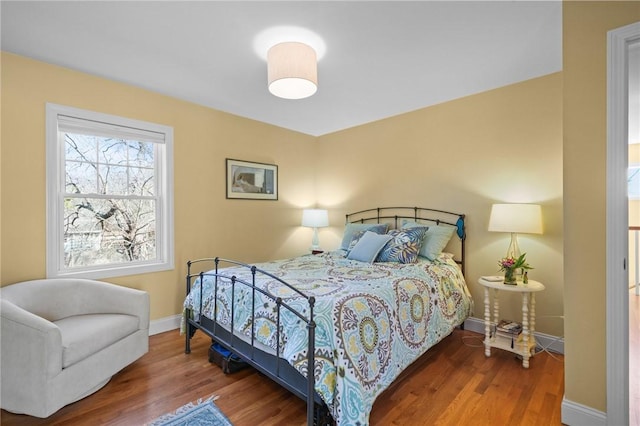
315 218
292 70
516 218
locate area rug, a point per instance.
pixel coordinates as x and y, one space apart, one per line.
198 413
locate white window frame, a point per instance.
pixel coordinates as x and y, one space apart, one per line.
56 187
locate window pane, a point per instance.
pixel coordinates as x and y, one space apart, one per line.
141 154
98 231
80 147
634 182
113 179
141 182
80 178
112 151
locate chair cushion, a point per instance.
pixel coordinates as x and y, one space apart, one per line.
84 335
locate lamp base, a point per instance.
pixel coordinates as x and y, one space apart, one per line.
315 242
513 250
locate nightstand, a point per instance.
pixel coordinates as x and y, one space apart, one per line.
526 346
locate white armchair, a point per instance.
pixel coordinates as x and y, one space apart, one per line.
63 339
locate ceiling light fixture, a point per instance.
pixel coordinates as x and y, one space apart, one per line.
292 70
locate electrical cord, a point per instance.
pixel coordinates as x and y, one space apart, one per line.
540 348
478 337
545 348
478 340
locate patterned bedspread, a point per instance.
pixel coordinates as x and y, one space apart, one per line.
372 320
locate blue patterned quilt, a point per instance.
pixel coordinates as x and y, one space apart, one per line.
372 320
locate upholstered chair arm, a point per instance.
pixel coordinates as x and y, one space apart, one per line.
31 345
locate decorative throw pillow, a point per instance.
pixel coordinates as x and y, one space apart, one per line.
368 246
404 245
435 240
352 228
354 240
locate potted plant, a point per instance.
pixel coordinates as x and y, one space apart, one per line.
510 266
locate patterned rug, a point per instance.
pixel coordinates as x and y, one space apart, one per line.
199 413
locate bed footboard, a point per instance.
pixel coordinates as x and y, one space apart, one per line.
272 365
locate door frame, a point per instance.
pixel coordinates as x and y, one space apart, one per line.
617 317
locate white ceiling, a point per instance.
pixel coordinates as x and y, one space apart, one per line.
381 59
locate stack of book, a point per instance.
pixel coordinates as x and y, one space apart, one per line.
510 330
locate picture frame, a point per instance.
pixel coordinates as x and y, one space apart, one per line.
251 181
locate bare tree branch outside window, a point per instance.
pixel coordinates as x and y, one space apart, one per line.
110 206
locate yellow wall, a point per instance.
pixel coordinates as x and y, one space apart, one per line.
504 145
498 146
206 224
585 26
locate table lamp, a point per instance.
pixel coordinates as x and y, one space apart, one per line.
515 218
315 218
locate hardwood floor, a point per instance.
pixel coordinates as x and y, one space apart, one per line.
453 384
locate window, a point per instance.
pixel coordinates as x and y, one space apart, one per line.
109 195
634 181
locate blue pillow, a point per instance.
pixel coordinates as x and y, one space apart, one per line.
356 237
404 245
435 240
368 247
352 228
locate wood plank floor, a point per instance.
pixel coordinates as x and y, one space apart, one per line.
453 384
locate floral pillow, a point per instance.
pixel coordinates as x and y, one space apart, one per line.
403 247
435 240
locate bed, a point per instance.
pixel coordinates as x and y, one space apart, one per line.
359 315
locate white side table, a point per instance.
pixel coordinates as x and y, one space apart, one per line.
526 347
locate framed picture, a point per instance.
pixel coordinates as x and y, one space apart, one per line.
253 181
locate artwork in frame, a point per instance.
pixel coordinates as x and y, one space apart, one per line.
253 181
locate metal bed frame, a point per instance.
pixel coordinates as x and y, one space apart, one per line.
272 365
417 214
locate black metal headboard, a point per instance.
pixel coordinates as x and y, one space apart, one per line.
417 214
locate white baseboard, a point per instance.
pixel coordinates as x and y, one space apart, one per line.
164 324
574 414
547 341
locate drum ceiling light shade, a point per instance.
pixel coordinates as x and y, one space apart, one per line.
292 70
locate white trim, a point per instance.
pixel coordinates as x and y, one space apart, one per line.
55 191
617 249
164 324
574 414
548 341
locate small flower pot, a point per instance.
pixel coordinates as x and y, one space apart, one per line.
510 276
